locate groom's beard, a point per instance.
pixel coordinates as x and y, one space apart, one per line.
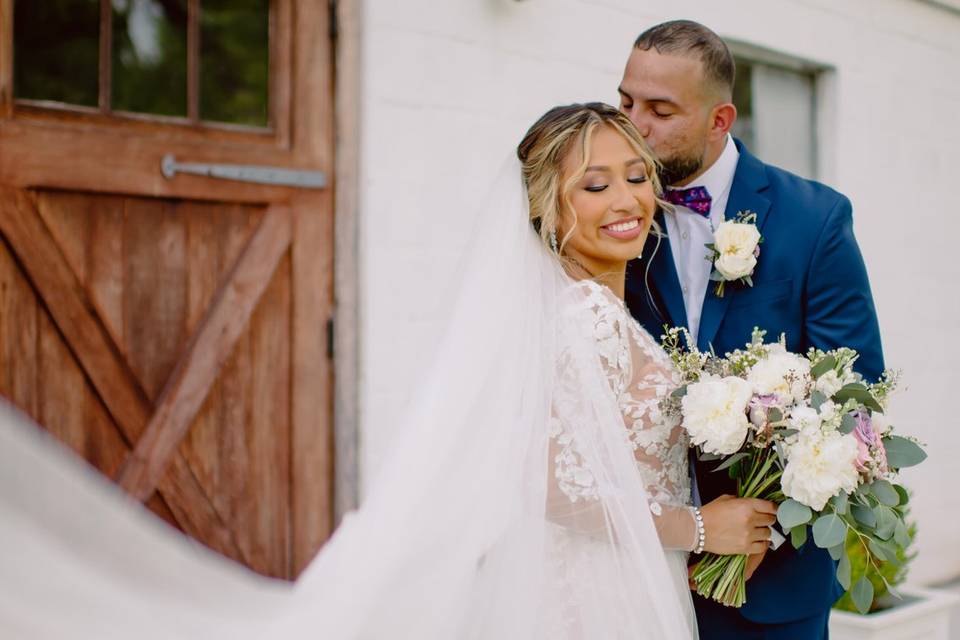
676 170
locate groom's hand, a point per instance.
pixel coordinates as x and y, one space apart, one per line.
738 526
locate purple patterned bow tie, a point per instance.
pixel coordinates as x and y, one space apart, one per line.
697 199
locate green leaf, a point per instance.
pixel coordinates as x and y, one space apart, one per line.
679 393
902 452
864 515
901 534
847 424
843 571
885 493
904 496
860 393
841 503
886 522
708 457
816 399
798 536
792 513
837 551
774 415
886 551
826 364
862 594
829 531
732 460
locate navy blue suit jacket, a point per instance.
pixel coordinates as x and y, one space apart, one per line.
811 284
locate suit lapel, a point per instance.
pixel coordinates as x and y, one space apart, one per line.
749 181
663 275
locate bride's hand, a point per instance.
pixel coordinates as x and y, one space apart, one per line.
738 525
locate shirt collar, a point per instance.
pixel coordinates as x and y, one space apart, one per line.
719 177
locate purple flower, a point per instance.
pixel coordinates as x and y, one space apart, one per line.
869 444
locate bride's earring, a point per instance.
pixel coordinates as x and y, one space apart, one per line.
553 242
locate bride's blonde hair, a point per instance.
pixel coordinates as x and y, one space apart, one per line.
546 145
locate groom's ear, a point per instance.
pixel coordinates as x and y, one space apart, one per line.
722 118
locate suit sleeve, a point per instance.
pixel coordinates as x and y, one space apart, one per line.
839 306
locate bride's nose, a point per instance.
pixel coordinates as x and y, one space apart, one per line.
623 199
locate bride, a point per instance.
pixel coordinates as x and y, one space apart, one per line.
535 489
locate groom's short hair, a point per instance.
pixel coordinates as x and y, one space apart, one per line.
686 37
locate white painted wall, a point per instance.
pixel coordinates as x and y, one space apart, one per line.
449 87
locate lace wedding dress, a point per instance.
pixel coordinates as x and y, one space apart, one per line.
533 490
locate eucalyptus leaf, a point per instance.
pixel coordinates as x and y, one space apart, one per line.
816 399
901 534
826 364
886 551
862 594
885 492
708 457
902 452
860 393
864 515
837 551
774 415
732 460
847 424
843 571
798 536
841 503
829 531
904 496
886 522
792 513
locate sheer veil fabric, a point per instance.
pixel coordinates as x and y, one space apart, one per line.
520 499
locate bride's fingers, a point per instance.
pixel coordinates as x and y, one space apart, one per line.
761 534
758 547
762 519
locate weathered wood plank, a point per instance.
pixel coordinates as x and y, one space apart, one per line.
265 517
206 354
312 430
18 336
55 282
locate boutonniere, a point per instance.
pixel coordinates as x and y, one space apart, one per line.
734 251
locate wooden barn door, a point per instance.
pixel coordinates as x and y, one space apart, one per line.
166 256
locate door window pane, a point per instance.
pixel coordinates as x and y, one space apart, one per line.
234 61
56 50
150 56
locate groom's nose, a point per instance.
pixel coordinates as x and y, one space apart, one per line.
640 121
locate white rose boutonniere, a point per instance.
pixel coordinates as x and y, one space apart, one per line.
735 249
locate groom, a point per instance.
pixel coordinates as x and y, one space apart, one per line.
809 281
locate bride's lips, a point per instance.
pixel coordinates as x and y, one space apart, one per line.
625 229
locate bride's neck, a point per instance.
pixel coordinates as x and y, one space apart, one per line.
611 276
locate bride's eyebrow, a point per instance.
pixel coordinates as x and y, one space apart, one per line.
628 163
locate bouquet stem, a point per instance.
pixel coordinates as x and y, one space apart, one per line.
723 578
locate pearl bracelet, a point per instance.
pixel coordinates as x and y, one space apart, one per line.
701 538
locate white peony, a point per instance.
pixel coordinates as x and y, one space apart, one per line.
819 466
715 413
829 383
783 374
805 418
736 243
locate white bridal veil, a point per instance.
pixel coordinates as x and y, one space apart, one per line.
462 534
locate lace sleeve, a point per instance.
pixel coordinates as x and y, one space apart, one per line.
638 373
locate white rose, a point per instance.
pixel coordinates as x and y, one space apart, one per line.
785 375
819 466
715 413
736 243
829 383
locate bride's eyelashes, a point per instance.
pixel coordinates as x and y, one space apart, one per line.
597 188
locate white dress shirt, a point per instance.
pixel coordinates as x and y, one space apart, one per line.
689 232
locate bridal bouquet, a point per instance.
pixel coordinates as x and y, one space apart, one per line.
806 432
